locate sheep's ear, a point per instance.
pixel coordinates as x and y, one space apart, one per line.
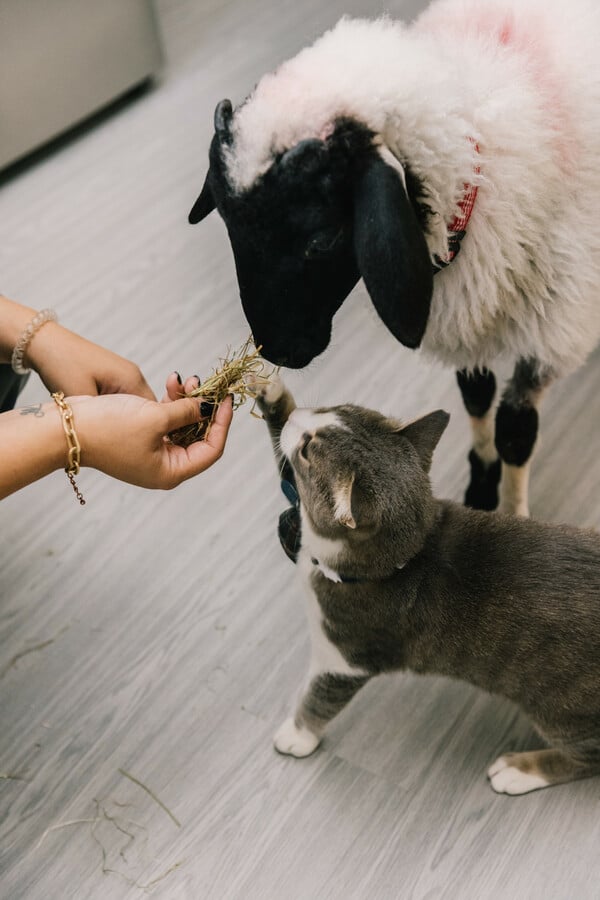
391 252
203 205
425 433
222 121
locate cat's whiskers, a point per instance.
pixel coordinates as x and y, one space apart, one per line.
282 465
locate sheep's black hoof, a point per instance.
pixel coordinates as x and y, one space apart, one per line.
482 492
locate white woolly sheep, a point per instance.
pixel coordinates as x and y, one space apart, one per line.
384 149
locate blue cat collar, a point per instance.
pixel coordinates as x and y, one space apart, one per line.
290 492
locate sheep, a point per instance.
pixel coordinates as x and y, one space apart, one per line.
453 164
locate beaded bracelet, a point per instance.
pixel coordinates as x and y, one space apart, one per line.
74 455
45 315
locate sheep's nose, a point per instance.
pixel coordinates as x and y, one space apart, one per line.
295 353
297 358
277 359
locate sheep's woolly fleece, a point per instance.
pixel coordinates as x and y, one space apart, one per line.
509 86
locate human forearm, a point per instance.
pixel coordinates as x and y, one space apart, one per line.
33 445
14 318
64 360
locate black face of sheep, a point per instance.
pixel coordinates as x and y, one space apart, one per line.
324 214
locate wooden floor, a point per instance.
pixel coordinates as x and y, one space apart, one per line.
150 644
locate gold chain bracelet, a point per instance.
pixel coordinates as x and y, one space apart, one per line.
74 454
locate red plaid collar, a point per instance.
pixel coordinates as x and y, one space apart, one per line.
458 226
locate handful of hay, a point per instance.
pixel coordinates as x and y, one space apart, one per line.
239 374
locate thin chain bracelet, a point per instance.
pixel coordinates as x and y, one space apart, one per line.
18 354
74 455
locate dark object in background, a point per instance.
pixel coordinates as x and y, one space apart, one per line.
62 61
11 386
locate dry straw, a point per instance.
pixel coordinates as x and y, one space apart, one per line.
239 374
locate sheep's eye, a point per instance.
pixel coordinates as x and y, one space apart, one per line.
306 439
320 245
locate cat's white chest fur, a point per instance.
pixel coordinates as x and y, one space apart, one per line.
293 737
325 656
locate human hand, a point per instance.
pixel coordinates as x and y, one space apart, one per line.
176 388
125 437
67 362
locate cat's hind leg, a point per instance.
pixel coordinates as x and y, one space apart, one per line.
326 695
519 773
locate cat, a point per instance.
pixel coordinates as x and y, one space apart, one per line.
398 579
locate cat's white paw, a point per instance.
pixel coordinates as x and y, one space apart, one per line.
269 391
295 741
507 779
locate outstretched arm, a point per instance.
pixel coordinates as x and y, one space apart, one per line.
121 435
123 432
65 361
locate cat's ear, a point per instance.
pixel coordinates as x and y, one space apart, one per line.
342 498
425 433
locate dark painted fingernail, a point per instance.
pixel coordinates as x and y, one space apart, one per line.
179 378
206 408
197 377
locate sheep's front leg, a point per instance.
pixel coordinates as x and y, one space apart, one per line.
326 695
516 432
478 388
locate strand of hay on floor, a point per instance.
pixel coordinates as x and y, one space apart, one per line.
151 794
239 374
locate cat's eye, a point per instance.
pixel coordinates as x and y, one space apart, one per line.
306 439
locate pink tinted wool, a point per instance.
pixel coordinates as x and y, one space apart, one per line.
526 35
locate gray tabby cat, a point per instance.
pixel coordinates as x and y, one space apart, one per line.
399 580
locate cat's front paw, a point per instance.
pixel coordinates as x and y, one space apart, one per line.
507 778
265 389
294 741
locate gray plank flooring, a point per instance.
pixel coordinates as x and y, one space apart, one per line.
162 635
